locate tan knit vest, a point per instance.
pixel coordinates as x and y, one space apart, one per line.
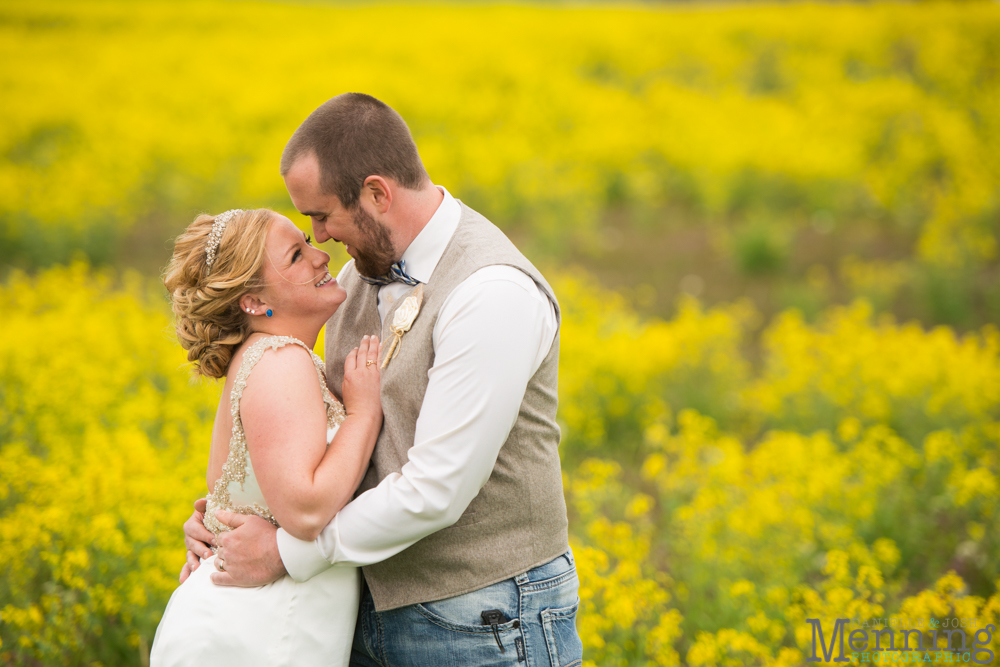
518 520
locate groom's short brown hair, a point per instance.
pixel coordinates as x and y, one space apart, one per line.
355 136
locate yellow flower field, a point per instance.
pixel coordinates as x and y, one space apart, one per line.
120 116
704 535
749 468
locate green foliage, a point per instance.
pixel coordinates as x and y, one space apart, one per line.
760 248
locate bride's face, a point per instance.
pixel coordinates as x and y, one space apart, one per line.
298 284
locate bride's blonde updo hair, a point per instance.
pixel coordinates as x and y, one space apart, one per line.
210 322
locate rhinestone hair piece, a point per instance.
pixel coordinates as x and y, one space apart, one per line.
215 237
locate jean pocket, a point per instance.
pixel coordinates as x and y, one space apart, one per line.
464 613
466 627
561 637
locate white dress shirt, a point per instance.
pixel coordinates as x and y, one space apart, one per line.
492 333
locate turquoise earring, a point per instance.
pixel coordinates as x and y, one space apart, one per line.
269 312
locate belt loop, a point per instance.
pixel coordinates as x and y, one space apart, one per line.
569 558
521 579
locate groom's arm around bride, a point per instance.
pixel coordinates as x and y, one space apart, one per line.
460 522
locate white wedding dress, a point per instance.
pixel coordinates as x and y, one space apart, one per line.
282 623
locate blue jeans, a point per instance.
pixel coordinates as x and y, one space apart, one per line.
535 627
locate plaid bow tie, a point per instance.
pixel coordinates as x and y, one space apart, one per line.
397 273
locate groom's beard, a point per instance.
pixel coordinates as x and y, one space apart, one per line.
377 255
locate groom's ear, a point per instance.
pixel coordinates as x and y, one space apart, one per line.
377 190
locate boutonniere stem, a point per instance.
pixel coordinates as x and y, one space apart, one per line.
402 320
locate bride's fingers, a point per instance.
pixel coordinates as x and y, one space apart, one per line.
351 362
374 347
197 547
198 550
196 536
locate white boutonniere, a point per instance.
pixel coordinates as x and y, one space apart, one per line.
402 320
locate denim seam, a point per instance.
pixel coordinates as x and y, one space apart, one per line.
546 584
367 633
525 634
562 612
383 655
549 616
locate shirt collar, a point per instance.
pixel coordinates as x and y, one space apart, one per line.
424 252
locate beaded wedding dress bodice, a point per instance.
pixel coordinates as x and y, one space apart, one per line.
237 489
281 624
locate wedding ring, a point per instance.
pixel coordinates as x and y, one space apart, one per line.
369 363
219 563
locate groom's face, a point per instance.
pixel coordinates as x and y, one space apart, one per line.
365 238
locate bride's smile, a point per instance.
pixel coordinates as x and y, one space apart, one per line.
298 291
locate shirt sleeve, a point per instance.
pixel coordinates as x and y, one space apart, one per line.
491 336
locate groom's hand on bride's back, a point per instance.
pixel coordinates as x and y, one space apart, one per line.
197 539
249 551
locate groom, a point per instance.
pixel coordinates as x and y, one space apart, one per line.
460 522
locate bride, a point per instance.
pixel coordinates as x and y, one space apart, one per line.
250 295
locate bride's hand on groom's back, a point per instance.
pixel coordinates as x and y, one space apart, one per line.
362 380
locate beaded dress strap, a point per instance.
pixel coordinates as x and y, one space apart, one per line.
255 353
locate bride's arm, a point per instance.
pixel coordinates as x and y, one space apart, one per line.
305 482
